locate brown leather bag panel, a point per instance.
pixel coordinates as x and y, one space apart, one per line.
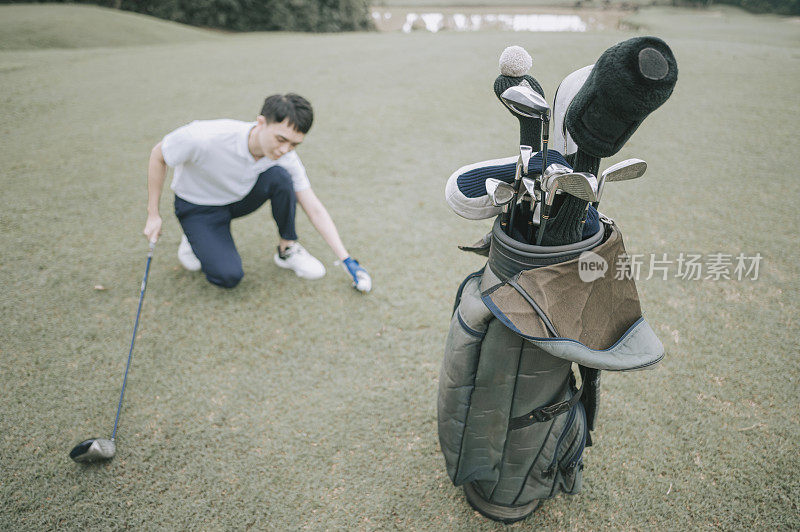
596 314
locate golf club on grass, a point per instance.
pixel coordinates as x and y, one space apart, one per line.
622 171
97 449
581 185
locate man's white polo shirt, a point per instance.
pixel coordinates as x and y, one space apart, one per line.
214 166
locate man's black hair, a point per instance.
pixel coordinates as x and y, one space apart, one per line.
297 109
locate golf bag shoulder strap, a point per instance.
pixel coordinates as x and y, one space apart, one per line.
546 413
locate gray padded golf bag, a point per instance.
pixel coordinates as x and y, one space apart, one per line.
513 422
514 416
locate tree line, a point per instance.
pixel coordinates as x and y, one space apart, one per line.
252 15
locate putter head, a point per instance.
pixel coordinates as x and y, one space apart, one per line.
93 450
624 170
581 185
500 191
523 101
525 153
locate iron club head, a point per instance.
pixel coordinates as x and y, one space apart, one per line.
525 154
500 191
581 185
555 168
93 450
622 171
530 186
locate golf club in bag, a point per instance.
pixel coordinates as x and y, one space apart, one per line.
532 330
98 449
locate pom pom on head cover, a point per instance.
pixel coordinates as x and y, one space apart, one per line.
629 81
515 62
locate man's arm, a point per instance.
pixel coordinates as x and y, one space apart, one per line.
321 221
156 175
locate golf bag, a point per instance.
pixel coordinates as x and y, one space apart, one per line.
513 421
513 416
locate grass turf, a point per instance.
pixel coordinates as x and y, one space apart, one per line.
292 404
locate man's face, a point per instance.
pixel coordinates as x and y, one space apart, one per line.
276 139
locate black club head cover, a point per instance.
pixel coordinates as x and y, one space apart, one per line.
514 65
530 129
629 81
568 225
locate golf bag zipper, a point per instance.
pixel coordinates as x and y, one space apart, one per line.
551 469
576 458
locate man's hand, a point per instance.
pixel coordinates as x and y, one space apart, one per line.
361 279
152 228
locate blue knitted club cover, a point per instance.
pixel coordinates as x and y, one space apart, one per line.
473 182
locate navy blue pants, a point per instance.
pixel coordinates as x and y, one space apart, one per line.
208 227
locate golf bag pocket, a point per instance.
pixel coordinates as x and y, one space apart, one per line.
491 381
588 316
468 326
559 464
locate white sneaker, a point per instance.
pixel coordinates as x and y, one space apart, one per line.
297 259
187 257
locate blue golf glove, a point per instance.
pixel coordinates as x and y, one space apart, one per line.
361 279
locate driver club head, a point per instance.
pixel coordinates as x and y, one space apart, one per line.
522 100
93 450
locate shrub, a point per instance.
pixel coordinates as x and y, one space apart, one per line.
254 15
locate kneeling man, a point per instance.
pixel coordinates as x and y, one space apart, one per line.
225 169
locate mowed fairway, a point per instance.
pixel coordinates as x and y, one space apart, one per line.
288 404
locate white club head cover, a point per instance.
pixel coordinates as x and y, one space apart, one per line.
466 193
561 140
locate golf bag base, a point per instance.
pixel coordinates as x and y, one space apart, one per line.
513 423
497 512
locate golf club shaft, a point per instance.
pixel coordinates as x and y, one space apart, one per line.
542 224
133 339
600 185
545 140
513 208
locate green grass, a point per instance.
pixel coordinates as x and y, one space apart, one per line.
24 27
288 404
